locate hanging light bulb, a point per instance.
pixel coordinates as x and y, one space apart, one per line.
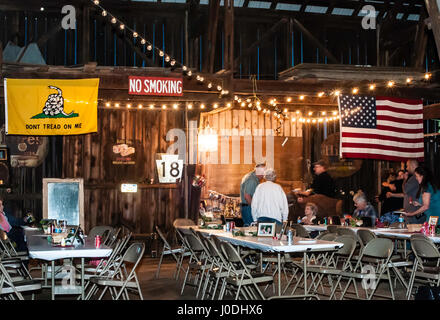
337 92
128 106
301 97
175 106
151 106
372 86
210 85
198 78
164 106
135 34
143 41
107 104
215 106
285 110
184 68
289 99
355 90
320 94
96 2
235 98
427 76
190 106
219 88
113 20
228 105
173 62
104 13
149 47
202 106
189 73
139 106
207 140
161 53
408 80
121 26
335 113
243 104
117 105
310 113
390 83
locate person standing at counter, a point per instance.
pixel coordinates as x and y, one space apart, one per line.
247 189
269 203
409 194
427 197
322 183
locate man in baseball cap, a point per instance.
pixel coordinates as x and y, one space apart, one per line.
247 189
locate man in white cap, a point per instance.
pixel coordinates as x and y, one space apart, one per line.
269 203
247 189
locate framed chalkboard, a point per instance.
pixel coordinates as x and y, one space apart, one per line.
63 199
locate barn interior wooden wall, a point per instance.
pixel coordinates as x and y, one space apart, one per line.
89 157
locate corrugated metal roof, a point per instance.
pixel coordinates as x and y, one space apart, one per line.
399 16
288 6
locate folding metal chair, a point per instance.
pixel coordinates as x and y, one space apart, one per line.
371 271
123 279
13 289
103 231
240 278
366 235
196 260
300 230
426 264
168 250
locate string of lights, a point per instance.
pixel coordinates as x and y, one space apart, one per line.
277 108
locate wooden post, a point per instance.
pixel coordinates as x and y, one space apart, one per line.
434 15
211 36
85 47
229 35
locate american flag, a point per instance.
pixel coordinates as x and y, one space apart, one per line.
381 128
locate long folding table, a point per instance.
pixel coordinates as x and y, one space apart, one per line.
40 248
269 244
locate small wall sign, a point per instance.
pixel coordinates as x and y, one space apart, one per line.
169 168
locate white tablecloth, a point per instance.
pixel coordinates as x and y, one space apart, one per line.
39 248
268 244
384 232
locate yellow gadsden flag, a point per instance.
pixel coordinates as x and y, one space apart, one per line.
51 106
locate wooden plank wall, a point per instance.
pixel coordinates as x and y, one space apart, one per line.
89 157
244 124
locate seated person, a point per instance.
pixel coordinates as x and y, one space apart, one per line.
12 226
310 214
363 208
310 217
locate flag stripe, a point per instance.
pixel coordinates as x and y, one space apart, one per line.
385 142
380 137
401 101
347 145
382 132
378 156
400 130
385 152
380 109
399 120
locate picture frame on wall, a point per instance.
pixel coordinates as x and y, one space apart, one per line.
266 229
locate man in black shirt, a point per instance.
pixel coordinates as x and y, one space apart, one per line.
322 183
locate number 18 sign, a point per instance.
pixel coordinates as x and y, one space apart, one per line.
169 168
